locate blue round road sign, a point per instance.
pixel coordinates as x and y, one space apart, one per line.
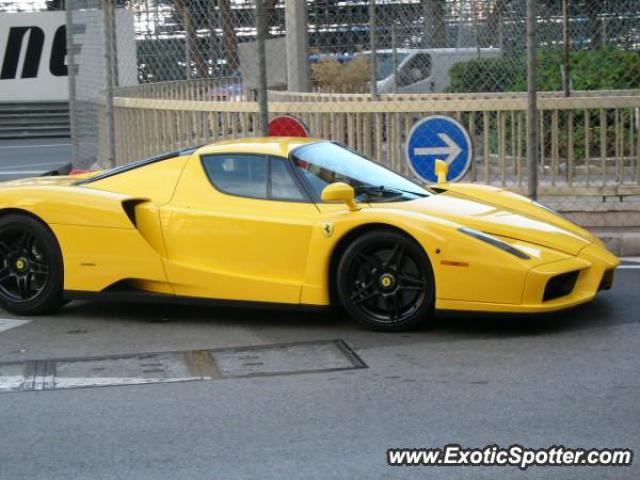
438 138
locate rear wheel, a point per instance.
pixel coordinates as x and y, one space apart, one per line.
31 271
385 281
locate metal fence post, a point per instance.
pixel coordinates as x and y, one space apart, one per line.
114 44
262 65
297 46
107 25
566 36
372 42
71 72
394 49
187 49
532 102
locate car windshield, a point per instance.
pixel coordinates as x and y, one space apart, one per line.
324 163
384 63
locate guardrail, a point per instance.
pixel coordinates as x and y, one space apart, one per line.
589 145
203 90
34 120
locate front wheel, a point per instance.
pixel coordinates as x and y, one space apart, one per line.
31 271
385 281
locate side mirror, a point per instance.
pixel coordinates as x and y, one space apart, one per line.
441 171
340 192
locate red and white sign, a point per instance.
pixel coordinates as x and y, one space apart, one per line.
287 126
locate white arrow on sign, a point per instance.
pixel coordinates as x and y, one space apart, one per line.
452 150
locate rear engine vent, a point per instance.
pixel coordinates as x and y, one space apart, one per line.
560 285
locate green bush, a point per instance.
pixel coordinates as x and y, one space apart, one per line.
495 74
608 68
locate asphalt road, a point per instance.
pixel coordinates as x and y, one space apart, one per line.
27 158
570 378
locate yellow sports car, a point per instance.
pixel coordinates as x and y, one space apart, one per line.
290 221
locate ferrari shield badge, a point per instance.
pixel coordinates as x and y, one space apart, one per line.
327 229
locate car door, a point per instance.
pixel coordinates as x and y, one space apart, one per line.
238 228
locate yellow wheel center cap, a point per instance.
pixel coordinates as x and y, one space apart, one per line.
387 281
21 264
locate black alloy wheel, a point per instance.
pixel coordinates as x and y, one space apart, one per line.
31 272
385 281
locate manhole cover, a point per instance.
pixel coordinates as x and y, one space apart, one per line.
136 369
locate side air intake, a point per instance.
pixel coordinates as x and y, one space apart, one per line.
129 207
560 285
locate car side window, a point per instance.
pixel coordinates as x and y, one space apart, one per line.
283 185
253 176
243 175
416 69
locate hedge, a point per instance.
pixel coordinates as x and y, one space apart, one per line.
608 68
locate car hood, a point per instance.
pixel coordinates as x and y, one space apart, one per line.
505 214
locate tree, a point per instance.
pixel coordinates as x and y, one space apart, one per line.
229 41
184 8
594 8
494 23
270 10
435 28
229 38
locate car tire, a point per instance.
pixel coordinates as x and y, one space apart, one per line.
385 281
31 268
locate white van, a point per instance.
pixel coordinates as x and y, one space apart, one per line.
423 70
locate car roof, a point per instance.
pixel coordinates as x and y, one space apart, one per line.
279 146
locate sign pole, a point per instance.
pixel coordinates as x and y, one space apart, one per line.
372 43
71 71
532 101
107 25
262 65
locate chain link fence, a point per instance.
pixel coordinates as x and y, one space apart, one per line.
191 39
364 73
101 53
488 42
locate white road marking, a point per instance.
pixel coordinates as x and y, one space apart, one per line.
35 146
21 172
629 267
6 323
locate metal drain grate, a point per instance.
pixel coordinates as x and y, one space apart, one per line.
165 367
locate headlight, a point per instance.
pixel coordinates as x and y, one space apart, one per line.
491 240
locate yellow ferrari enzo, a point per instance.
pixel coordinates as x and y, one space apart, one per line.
290 221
